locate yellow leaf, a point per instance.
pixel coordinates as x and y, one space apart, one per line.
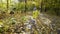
35 14
1 23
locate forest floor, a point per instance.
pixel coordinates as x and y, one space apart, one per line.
13 24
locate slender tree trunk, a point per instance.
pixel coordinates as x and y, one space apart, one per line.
25 7
41 5
7 5
25 4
